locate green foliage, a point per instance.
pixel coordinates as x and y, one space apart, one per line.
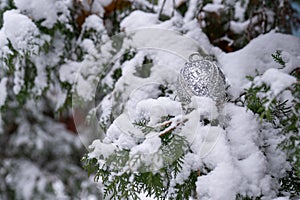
283 117
267 109
278 58
125 175
9 5
182 8
291 128
187 189
164 90
127 55
257 104
91 165
142 124
290 183
117 74
32 114
242 197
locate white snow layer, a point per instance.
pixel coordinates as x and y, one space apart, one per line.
234 154
94 22
257 56
25 36
277 80
69 71
213 7
139 19
3 92
46 10
27 177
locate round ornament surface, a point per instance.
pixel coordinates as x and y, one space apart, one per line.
201 77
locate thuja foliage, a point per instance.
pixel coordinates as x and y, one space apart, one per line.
35 122
125 176
284 114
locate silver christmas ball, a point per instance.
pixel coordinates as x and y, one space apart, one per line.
201 77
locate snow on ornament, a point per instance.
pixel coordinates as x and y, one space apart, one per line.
201 77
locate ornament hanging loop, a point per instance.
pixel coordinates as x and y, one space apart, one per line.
195 56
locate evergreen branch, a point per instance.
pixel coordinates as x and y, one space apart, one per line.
278 58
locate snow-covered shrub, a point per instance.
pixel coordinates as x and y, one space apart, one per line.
246 161
275 97
40 153
146 142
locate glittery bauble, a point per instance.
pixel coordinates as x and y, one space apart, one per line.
201 77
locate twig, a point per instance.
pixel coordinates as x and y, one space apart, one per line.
91 6
171 128
173 11
162 8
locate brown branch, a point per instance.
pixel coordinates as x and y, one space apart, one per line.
168 130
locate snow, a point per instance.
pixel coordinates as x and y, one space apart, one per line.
194 33
167 7
46 10
146 155
291 61
154 109
164 40
100 148
189 15
58 188
123 124
4 50
28 175
25 36
3 4
138 19
105 2
256 56
40 81
240 8
239 27
93 22
236 160
150 146
205 140
57 96
69 71
18 79
234 154
3 96
3 91
84 87
277 80
202 138
243 137
222 182
282 198
3 40
240 152
213 7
